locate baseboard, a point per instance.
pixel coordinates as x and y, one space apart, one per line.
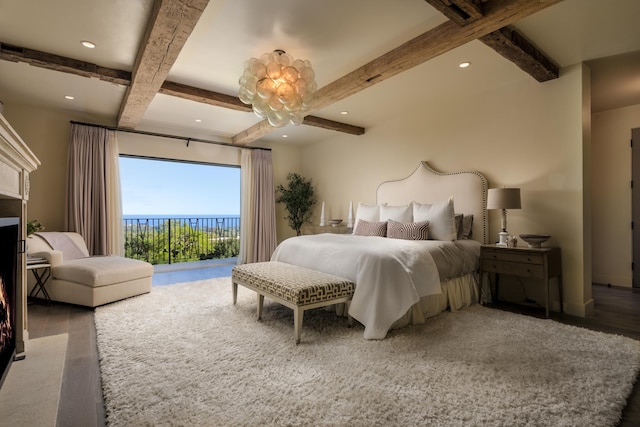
580 310
624 282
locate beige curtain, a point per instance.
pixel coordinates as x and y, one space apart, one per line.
258 207
93 203
247 211
115 233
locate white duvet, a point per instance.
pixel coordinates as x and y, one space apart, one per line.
390 274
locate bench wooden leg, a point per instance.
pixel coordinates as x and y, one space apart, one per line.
260 304
234 290
298 314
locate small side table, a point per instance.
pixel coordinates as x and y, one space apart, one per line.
536 263
41 271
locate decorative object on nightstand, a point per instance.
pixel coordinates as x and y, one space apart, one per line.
350 215
503 198
322 215
535 240
335 222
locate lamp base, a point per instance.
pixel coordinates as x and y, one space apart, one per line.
504 236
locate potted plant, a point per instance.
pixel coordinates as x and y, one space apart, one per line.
299 198
34 226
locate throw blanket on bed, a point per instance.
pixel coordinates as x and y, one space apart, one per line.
390 274
63 243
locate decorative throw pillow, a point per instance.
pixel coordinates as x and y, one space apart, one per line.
464 226
467 227
441 217
369 213
458 217
402 213
367 228
408 231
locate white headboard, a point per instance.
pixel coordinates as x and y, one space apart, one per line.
426 185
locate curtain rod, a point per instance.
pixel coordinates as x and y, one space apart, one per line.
164 135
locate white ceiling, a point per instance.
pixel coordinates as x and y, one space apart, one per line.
337 36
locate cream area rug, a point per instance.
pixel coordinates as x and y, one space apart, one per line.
184 355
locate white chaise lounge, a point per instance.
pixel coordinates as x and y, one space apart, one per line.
78 278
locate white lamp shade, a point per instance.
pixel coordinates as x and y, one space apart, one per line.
503 198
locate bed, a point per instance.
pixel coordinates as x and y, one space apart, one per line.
401 281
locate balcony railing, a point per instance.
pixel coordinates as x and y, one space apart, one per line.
172 240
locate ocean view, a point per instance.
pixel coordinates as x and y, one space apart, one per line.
165 239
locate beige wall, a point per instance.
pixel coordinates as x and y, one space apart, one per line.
612 237
528 135
46 132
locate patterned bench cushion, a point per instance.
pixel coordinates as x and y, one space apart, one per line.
293 283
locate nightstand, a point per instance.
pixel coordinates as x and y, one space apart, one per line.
535 263
318 229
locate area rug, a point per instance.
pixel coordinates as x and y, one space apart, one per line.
184 355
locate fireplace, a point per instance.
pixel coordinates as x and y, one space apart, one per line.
17 161
9 235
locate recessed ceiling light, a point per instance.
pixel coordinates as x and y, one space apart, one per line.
198 120
464 64
344 113
285 136
88 44
69 97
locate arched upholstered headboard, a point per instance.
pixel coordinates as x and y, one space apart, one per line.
426 185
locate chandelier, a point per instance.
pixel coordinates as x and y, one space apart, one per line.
278 87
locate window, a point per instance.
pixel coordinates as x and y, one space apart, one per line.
176 211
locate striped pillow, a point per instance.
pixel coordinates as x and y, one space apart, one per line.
408 231
366 228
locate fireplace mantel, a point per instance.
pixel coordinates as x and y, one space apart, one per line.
17 161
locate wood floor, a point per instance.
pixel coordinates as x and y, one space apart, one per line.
617 310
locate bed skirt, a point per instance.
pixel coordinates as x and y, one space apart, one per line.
457 293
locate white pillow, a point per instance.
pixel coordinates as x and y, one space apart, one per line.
403 214
369 213
441 218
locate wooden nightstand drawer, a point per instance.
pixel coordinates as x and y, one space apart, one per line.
535 271
524 256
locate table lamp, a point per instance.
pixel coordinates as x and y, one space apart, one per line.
503 198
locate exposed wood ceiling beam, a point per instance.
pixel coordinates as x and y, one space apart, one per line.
319 122
204 96
168 29
435 42
429 45
525 55
60 63
85 69
263 128
507 42
462 12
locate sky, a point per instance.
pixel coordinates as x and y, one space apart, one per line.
158 187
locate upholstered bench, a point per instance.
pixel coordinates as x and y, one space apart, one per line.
295 287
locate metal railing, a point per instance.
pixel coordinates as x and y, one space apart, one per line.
173 240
